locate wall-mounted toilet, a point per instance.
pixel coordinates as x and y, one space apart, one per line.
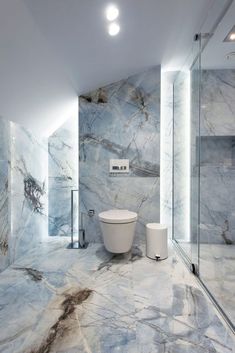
118 230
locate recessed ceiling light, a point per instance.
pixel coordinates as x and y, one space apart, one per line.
230 37
114 29
112 13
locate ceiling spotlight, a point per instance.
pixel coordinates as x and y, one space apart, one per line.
114 29
112 13
230 36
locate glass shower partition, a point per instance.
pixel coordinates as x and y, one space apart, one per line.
185 156
203 221
217 175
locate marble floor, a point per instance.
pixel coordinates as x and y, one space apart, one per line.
89 301
217 271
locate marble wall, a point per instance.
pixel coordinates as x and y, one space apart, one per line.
217 181
4 193
217 156
23 191
28 191
63 176
218 103
121 120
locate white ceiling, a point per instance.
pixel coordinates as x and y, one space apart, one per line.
53 50
214 55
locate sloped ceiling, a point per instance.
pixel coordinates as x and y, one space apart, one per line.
215 53
54 50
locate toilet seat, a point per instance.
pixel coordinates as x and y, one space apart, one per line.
118 216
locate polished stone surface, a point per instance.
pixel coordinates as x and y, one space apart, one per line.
28 191
23 191
121 120
216 268
4 215
4 193
217 220
217 179
211 197
60 300
217 272
62 176
218 102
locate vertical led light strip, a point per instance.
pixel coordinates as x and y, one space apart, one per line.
166 157
163 112
166 149
188 156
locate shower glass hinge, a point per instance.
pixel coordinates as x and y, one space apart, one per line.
194 269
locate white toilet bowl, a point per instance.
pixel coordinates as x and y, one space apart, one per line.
118 229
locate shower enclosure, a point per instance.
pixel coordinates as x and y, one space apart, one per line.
204 164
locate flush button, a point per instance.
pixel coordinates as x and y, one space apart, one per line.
119 166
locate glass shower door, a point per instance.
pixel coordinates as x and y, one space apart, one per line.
204 163
217 177
185 157
195 162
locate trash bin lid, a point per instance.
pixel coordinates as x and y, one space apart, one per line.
156 226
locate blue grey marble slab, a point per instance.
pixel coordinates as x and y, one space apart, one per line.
28 187
4 192
121 120
123 123
218 102
217 272
217 222
92 301
5 139
4 215
63 176
23 187
135 194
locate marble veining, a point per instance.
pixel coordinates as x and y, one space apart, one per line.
97 302
217 205
59 329
4 216
63 175
212 217
33 193
217 263
121 120
4 193
218 103
28 190
35 275
217 182
23 188
118 192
